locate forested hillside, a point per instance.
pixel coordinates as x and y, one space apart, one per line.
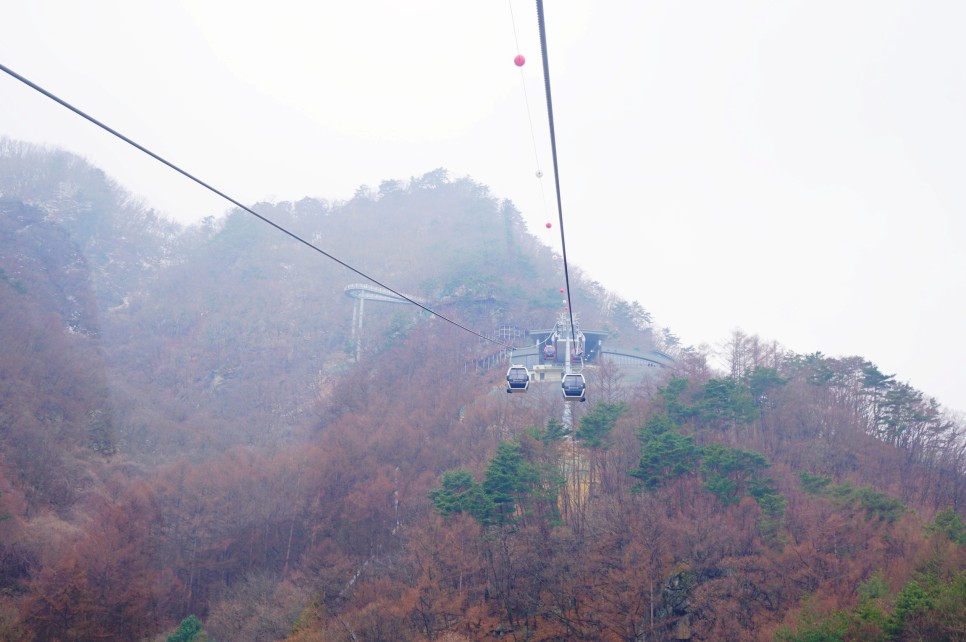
189 449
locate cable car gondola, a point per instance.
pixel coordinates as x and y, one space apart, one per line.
574 387
549 353
517 379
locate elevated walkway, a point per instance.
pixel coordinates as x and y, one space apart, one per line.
363 292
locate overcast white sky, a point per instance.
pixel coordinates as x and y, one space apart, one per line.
792 169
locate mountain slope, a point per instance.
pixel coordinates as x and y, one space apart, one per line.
184 429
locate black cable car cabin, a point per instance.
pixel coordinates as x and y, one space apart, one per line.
573 386
517 379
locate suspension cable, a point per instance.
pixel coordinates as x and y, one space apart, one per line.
556 171
235 202
526 101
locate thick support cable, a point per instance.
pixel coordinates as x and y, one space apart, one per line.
556 171
238 204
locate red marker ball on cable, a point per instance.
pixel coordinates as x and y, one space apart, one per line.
519 60
549 226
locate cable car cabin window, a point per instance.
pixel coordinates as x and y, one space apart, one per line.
573 386
517 379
